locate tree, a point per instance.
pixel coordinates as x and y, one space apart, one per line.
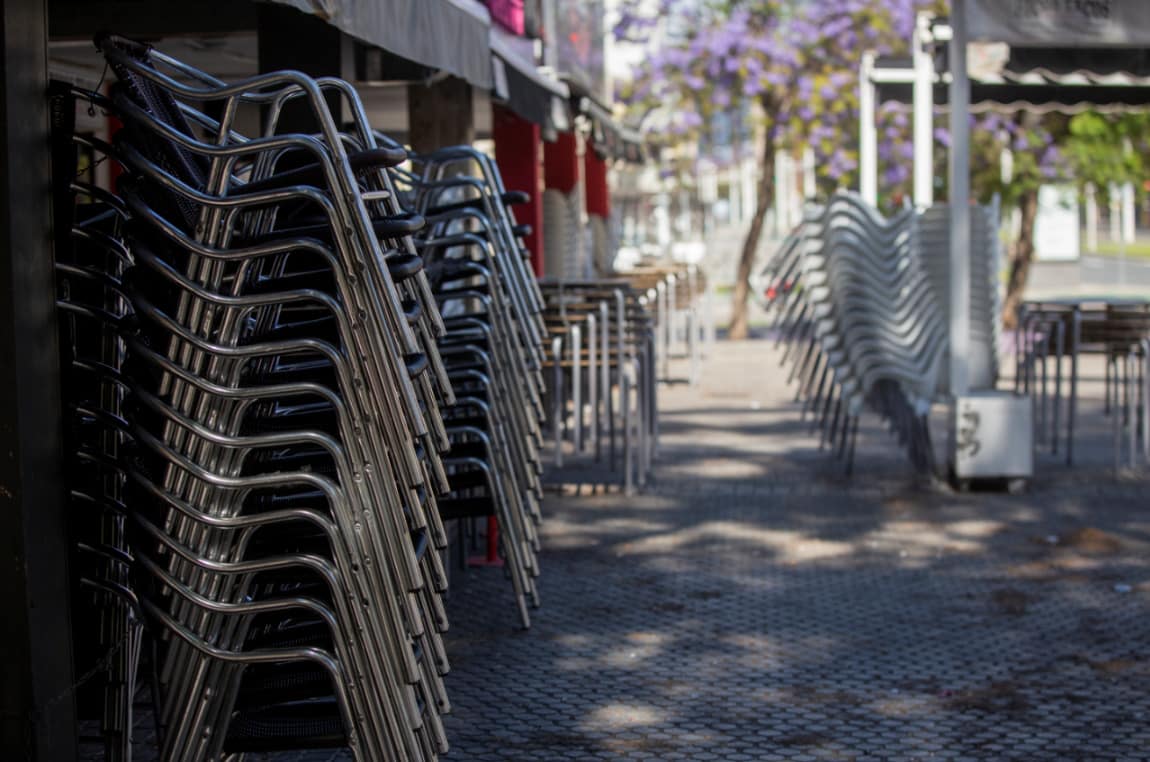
793 64
1034 144
1108 148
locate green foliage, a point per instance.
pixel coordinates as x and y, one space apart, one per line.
1106 149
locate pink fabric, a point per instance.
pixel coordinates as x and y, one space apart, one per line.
508 14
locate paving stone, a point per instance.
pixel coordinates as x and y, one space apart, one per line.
792 614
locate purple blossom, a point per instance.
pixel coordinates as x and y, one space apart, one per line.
804 55
896 174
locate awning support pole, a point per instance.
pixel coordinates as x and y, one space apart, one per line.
959 203
868 133
923 114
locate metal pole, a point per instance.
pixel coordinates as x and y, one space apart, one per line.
1146 399
868 134
577 388
557 401
593 383
923 113
605 374
1072 403
959 203
626 373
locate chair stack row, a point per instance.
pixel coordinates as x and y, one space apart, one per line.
93 317
1053 339
286 361
493 350
603 370
863 325
933 236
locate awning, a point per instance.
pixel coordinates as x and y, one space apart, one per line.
448 35
1066 81
609 138
522 86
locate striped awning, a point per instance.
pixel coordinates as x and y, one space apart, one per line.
1040 80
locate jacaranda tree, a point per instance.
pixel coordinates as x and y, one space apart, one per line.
793 64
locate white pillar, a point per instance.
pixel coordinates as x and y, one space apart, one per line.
747 167
809 187
1128 213
923 113
781 221
1091 218
1115 212
959 203
792 191
734 196
868 133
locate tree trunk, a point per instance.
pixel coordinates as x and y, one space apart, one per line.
738 326
1021 258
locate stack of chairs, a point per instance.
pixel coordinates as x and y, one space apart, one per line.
1051 333
494 352
91 260
268 366
604 341
863 326
933 244
677 292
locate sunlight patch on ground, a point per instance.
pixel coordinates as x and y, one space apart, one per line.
560 533
916 539
620 715
787 546
724 468
631 655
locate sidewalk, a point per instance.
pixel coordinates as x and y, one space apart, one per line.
755 605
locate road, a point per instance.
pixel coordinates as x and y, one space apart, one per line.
1091 274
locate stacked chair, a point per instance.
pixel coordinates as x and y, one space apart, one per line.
675 291
933 234
91 260
493 351
863 326
270 417
285 398
604 341
1053 334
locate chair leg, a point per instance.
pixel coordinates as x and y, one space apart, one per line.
1106 387
1059 348
1072 407
1132 405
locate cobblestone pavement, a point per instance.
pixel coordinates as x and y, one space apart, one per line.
753 605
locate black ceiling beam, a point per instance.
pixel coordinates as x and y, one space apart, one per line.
149 19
